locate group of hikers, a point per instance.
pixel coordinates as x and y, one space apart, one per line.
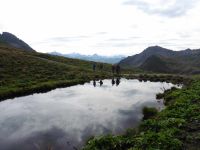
115 68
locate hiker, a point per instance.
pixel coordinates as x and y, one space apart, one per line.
113 81
117 81
113 69
118 69
101 82
101 67
94 67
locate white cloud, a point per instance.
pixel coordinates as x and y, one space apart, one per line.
169 8
102 26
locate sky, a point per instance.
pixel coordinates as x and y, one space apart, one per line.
105 27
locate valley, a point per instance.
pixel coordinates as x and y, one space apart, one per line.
57 88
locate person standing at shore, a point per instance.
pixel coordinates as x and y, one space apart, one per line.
101 67
113 69
94 67
118 69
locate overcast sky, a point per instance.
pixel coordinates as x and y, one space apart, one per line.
106 27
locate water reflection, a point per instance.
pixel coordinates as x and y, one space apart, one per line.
101 82
94 83
64 118
117 81
113 81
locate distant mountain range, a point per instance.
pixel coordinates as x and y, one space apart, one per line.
11 40
158 59
95 57
153 59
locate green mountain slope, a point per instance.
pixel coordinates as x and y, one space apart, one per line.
155 64
24 72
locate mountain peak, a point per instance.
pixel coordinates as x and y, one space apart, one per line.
188 49
8 34
13 41
95 55
155 48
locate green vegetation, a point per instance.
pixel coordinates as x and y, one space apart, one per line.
149 112
176 127
25 72
155 64
169 78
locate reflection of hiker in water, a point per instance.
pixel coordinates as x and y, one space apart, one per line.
94 67
113 69
101 82
113 81
94 83
117 81
118 69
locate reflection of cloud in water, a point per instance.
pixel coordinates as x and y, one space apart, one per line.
53 137
68 116
130 93
132 116
68 94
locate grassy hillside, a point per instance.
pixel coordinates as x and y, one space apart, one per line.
175 128
23 72
155 64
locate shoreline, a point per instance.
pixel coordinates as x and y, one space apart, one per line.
45 87
48 86
175 127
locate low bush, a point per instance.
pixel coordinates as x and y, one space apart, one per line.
149 112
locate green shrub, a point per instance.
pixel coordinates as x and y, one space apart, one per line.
149 112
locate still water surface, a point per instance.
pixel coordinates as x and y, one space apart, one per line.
64 118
